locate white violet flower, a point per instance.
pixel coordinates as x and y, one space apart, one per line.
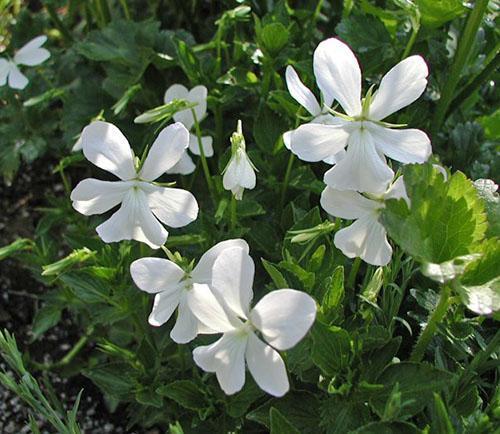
240 171
172 286
30 54
198 95
143 202
361 129
366 237
281 318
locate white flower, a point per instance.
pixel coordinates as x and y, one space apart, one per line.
239 172
198 95
173 287
143 202
30 54
361 129
366 237
282 318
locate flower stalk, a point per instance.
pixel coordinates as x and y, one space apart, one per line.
204 163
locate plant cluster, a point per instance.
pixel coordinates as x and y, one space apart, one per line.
332 232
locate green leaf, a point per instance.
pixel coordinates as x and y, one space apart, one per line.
274 37
441 423
491 125
331 350
280 424
446 219
435 13
387 428
487 190
185 393
237 405
45 318
114 379
334 294
86 287
340 415
415 381
278 278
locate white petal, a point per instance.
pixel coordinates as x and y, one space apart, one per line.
31 54
78 145
176 91
239 172
397 190
173 206
184 166
202 273
206 142
198 94
402 85
17 80
225 357
346 204
266 366
163 307
365 238
405 146
284 317
232 279
186 326
156 274
334 159
93 196
315 142
165 152
362 169
105 146
133 221
301 93
287 137
209 310
338 75
5 66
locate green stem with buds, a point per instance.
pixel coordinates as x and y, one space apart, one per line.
430 329
351 280
204 163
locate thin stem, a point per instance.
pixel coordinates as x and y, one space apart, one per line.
464 48
430 329
234 217
219 126
415 24
351 280
286 180
125 8
204 163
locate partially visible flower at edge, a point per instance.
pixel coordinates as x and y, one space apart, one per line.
143 202
173 286
366 237
197 94
282 318
31 54
240 171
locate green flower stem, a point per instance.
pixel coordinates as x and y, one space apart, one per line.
430 329
465 45
219 126
286 180
234 216
204 163
351 280
125 8
415 24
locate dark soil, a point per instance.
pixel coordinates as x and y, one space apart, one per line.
19 300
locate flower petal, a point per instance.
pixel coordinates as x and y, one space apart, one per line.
156 274
266 366
202 273
397 190
5 66
362 169
365 238
17 80
184 166
186 326
31 54
346 204
173 206
176 91
284 317
206 142
402 85
338 75
301 93
405 146
165 152
209 310
198 94
163 307
315 142
133 221
93 196
105 146
225 357
232 279
239 172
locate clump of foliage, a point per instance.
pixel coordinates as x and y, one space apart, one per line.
408 345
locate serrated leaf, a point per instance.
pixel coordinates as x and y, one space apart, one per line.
331 350
276 275
280 424
185 393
